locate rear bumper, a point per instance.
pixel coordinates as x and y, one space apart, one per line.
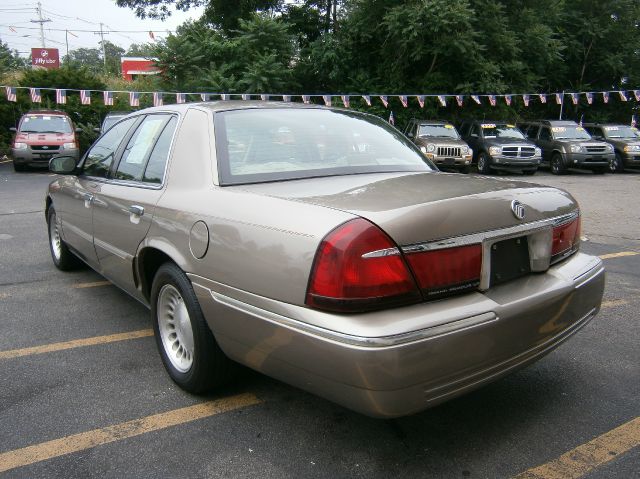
414 357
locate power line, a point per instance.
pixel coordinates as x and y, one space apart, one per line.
91 31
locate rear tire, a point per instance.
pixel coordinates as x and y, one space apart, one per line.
484 165
17 167
557 165
62 257
188 349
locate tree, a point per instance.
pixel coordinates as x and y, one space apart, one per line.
92 59
10 60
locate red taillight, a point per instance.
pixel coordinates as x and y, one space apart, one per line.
447 271
566 238
359 268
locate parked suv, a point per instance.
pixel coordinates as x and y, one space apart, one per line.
625 141
41 135
500 146
441 143
565 144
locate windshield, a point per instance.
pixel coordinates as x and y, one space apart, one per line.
260 145
45 124
493 130
442 131
622 132
570 133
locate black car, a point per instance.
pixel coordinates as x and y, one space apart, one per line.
625 140
499 145
565 144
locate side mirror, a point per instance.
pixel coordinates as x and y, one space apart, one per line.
13 129
62 165
78 130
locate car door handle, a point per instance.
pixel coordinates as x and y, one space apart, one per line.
136 210
88 199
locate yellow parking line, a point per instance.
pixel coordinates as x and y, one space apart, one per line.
95 284
97 437
613 303
585 458
6 161
76 343
618 255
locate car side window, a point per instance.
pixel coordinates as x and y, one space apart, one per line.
545 134
157 161
532 132
475 131
100 157
138 149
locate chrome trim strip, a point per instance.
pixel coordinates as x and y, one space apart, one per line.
503 233
381 253
360 341
112 249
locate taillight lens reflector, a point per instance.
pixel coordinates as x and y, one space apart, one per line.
347 277
447 271
566 238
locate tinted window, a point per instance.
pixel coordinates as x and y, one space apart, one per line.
475 131
100 157
275 144
158 159
45 124
545 134
138 149
532 132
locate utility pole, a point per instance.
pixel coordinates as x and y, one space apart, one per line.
41 21
66 39
102 33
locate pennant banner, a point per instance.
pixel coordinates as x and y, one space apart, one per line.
327 99
492 100
306 99
574 98
286 98
367 99
507 99
225 96
543 98
107 96
476 98
204 96
525 99
403 100
345 101
264 97
34 93
559 98
85 97
392 120
181 98
246 97
420 99
589 96
157 99
384 101
134 98
459 99
442 100
623 96
636 94
11 93
605 96
61 96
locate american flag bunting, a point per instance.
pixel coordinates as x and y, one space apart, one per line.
181 98
507 99
492 100
327 99
157 98
11 93
559 98
345 101
246 96
392 120
404 100
605 96
107 96
286 98
543 97
460 100
367 99
61 96
589 96
85 97
306 99
442 100
526 99
134 98
420 99
264 97
204 96
623 95
574 98
384 100
36 97
476 98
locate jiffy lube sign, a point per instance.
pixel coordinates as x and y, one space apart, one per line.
45 57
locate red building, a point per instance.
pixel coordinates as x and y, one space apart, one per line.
133 66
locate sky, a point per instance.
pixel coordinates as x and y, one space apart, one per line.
81 18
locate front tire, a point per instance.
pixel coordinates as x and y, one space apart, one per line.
484 165
188 349
616 165
17 167
557 165
62 258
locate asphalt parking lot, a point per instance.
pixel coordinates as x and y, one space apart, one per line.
83 392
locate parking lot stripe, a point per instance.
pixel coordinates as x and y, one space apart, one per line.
95 284
612 303
5 161
587 457
618 255
75 343
87 440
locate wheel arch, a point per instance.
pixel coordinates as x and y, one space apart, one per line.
150 256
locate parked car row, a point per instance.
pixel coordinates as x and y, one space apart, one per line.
525 146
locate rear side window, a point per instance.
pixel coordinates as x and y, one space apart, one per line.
138 149
100 157
154 172
545 134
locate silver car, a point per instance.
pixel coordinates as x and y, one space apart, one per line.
320 247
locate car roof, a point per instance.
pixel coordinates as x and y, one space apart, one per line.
226 105
46 112
604 124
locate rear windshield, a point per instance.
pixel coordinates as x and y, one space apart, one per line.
493 130
45 124
259 145
441 131
570 133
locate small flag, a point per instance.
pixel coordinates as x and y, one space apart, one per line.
306 99
543 98
605 96
107 96
589 96
246 96
492 100
11 93
286 98
327 99
623 95
225 96
633 121
476 98
367 99
35 95
264 97
559 98
345 101
85 97
152 36
442 100
134 98
392 119
507 99
181 97
61 96
574 98
205 96
636 93
526 99
403 100
420 99
384 101
157 98
460 99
